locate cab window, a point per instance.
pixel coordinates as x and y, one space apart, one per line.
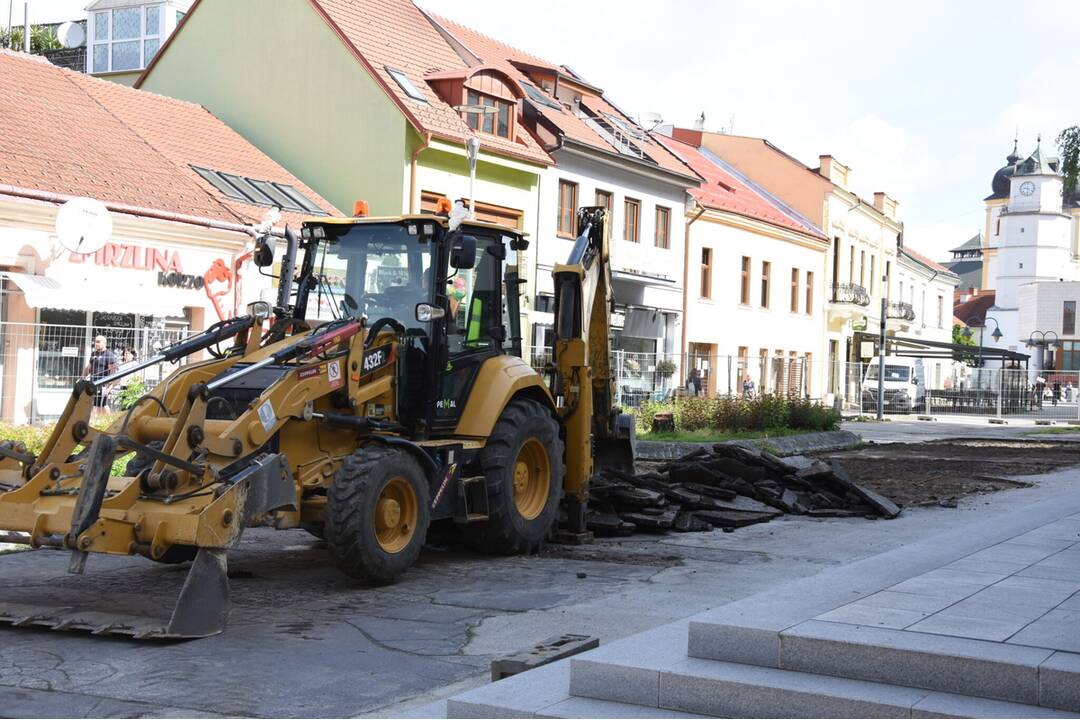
474 298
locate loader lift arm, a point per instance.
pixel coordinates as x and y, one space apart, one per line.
596 432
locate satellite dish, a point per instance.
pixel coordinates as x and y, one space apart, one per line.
83 225
650 120
71 34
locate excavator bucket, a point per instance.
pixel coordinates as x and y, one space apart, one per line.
201 609
617 452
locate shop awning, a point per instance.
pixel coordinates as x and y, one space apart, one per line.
44 292
643 323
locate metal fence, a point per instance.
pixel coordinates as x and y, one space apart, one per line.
657 377
39 363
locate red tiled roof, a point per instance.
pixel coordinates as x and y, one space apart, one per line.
723 191
397 34
926 261
503 56
71 134
973 312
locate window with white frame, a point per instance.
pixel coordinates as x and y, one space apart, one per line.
125 38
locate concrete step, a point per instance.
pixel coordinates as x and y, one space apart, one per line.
1000 671
720 689
544 692
993 670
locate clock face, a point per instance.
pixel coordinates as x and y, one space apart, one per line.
1027 187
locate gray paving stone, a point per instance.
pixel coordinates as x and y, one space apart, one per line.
982 609
1059 681
936 587
1015 553
905 601
1041 541
628 670
733 690
944 705
588 708
975 577
519 696
911 659
1058 629
1052 572
991 566
28 702
947 623
1019 599
717 640
1049 584
1073 603
857 614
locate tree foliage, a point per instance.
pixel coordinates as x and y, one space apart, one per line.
1068 143
959 338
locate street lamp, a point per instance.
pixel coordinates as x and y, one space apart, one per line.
997 334
1042 343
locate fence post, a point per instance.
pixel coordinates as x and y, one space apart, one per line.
1001 386
729 375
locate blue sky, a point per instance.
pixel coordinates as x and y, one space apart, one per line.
920 98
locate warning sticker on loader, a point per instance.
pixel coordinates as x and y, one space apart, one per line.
333 373
267 416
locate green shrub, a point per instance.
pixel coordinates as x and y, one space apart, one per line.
807 415
130 393
695 413
643 415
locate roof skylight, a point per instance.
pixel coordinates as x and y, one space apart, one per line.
405 84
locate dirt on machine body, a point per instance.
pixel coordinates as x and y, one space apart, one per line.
383 391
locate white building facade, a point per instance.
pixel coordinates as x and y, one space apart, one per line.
1033 254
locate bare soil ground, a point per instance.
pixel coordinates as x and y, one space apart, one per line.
938 472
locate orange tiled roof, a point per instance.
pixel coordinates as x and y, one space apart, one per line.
397 34
503 56
722 190
71 134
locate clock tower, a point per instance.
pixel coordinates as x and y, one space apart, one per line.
1030 237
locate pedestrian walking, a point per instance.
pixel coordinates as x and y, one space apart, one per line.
693 382
1057 392
102 364
748 387
1068 392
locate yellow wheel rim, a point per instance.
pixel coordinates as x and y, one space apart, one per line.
532 479
396 511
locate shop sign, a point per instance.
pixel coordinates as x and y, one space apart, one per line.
179 280
133 257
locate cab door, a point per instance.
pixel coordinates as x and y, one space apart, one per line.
475 329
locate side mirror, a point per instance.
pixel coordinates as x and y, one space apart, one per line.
463 253
264 251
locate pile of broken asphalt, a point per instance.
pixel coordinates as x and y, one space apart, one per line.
727 487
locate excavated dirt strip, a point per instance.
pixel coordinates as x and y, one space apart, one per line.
931 473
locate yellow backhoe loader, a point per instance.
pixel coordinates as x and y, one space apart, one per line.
383 391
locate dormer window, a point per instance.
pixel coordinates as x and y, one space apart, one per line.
499 122
125 38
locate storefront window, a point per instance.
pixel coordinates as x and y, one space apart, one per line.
62 348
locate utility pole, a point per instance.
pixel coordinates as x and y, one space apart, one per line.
26 26
881 364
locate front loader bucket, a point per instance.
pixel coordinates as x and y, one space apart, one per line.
202 609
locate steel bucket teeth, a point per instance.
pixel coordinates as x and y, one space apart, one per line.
201 609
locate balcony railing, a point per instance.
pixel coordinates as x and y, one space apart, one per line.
900 311
850 293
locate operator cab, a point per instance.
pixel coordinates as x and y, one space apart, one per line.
454 293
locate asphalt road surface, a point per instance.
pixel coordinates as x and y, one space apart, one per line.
304 640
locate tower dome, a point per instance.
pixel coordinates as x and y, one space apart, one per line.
999 186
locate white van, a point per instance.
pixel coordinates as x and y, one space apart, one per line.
905 385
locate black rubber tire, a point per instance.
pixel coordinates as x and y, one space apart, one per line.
506 531
176 553
349 526
317 529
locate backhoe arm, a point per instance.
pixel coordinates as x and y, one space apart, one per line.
582 363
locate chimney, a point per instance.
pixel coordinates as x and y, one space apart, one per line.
886 205
835 171
690 137
699 124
